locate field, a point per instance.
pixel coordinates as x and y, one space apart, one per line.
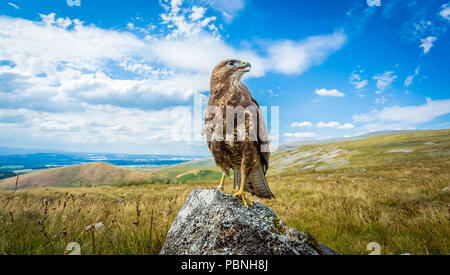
390 189
100 174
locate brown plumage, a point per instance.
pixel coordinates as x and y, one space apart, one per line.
246 152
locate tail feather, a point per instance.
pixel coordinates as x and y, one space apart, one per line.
237 179
256 183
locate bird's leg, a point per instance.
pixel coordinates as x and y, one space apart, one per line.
222 181
241 194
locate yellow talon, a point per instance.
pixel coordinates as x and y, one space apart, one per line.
241 194
245 202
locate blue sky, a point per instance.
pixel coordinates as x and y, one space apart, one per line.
121 77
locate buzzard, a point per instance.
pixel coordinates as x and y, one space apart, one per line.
236 132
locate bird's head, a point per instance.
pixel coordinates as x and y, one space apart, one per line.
231 69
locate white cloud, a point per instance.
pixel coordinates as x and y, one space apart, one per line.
44 46
301 124
384 81
66 52
291 57
445 12
419 28
229 9
197 13
97 124
334 124
410 78
185 22
356 80
63 74
361 84
69 58
427 43
204 53
13 5
408 115
300 135
333 92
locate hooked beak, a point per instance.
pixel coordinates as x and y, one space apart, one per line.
244 67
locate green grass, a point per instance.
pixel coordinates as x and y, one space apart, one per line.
372 151
98 174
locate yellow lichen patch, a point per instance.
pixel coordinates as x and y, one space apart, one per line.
278 227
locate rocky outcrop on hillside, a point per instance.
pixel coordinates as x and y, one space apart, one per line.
214 223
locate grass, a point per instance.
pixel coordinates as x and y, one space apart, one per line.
405 209
345 210
399 200
372 151
44 221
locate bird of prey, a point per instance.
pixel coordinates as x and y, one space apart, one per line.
236 132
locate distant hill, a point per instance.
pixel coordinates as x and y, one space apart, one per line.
89 174
100 173
208 162
332 140
372 151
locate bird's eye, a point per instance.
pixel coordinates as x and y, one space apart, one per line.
231 63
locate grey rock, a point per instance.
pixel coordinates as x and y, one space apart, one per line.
214 223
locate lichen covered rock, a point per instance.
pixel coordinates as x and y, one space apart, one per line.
214 223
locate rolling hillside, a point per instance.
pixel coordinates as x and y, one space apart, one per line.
90 174
391 189
399 149
100 173
373 151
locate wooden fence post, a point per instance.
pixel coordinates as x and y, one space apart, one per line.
17 181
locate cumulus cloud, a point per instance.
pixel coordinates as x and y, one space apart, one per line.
95 125
427 43
401 118
301 124
204 53
185 22
64 60
47 45
291 57
445 12
61 72
384 81
333 92
408 115
334 124
55 52
197 13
